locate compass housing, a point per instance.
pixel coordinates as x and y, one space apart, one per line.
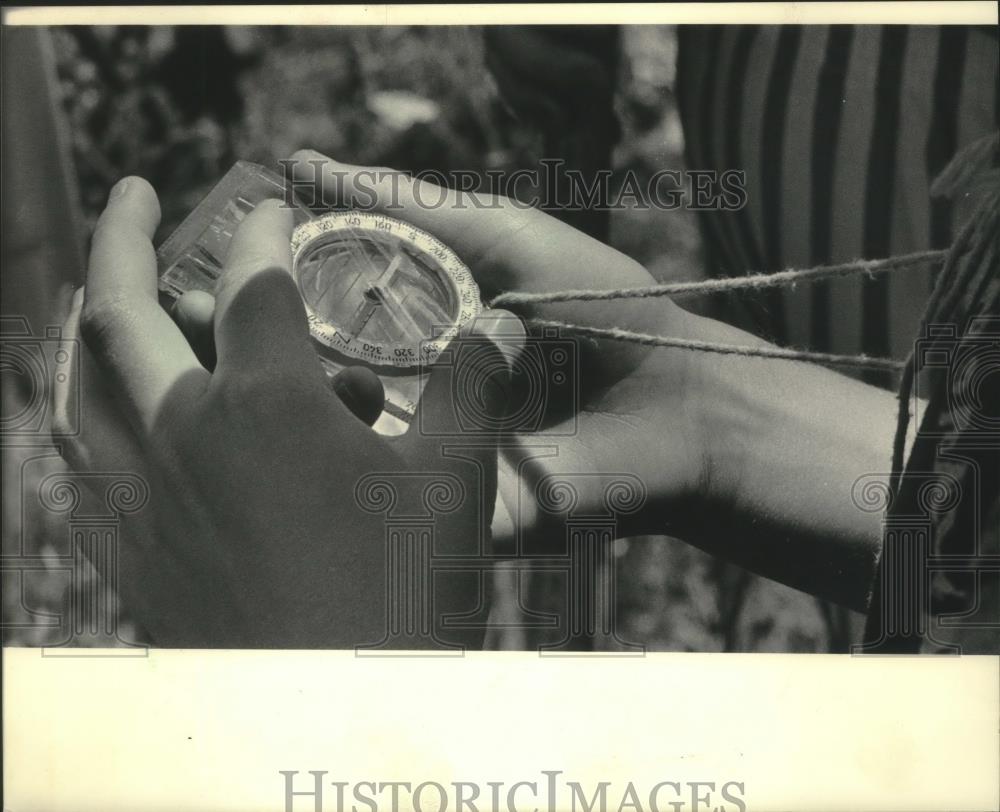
381 291
378 292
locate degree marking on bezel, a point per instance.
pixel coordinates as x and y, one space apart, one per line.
455 272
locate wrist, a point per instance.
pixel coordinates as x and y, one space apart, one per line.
723 418
784 445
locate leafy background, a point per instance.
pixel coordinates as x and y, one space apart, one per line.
178 105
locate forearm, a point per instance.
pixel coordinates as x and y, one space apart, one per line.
752 459
786 442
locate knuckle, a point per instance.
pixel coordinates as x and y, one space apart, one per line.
74 453
99 318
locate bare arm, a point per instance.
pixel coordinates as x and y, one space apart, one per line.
752 459
787 441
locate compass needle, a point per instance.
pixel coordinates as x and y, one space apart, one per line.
376 290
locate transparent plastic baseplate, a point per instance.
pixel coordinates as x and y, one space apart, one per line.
385 295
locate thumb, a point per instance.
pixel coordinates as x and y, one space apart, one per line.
464 402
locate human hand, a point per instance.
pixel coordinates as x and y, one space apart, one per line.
635 411
253 534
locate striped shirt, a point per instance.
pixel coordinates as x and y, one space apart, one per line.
840 130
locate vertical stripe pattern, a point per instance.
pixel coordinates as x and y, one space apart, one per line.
826 131
840 130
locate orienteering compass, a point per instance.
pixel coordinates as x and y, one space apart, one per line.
378 292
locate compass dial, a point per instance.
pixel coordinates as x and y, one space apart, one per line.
379 290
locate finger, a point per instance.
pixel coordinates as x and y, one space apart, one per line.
357 387
507 245
478 226
122 258
503 530
89 429
260 320
361 391
194 313
465 399
134 341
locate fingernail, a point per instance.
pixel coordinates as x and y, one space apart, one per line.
118 189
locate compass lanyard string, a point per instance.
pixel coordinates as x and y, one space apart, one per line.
787 279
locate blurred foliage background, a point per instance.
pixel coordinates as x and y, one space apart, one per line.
178 105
